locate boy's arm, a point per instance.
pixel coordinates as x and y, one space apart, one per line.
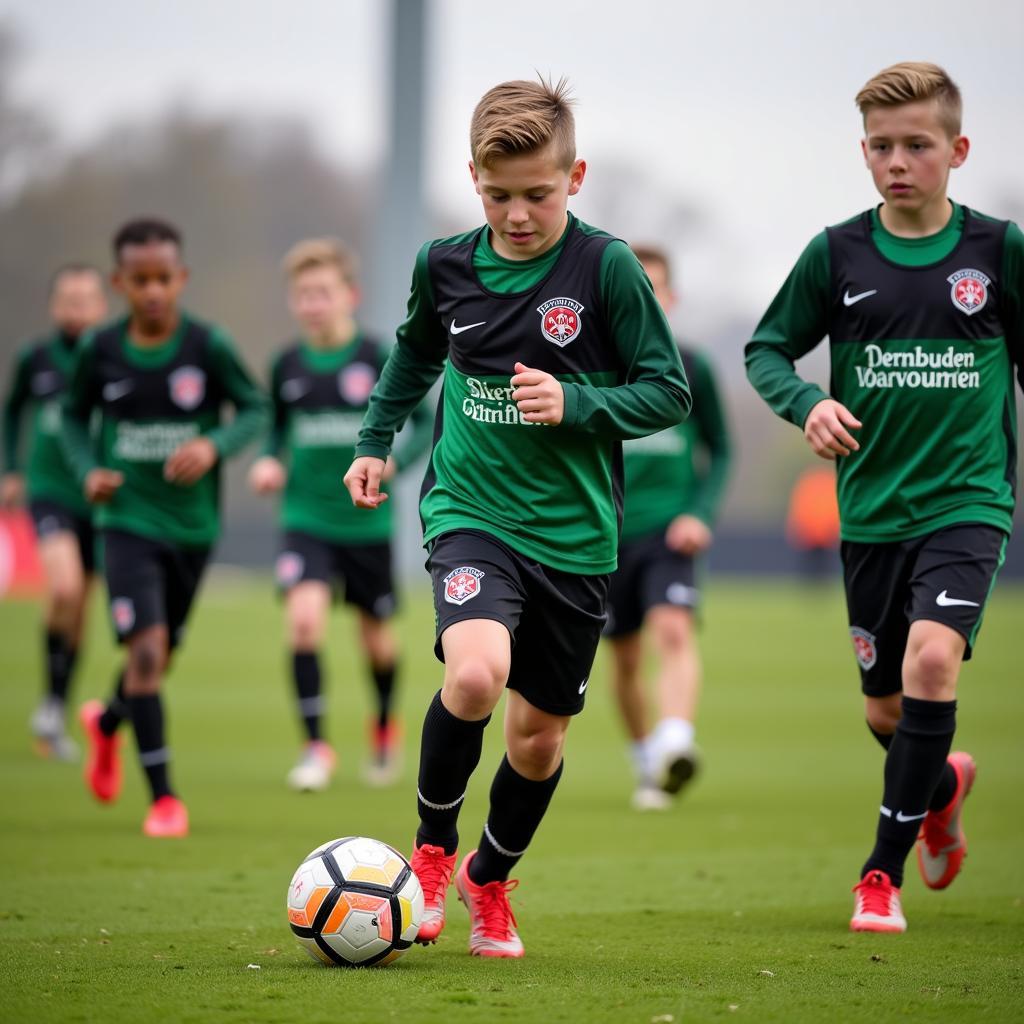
1013 301
278 411
416 439
656 394
412 367
79 402
14 404
713 429
795 322
251 405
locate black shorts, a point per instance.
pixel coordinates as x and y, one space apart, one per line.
52 517
150 583
944 577
360 572
650 573
554 618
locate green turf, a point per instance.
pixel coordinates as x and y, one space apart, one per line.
734 905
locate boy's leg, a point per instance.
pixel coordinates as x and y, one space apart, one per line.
303 572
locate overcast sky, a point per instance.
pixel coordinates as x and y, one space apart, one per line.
743 111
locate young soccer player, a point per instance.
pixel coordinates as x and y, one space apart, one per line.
674 483
922 301
157 380
553 349
61 515
320 386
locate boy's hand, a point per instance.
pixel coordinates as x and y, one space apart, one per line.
688 535
390 469
538 395
190 462
363 481
12 490
825 429
266 475
101 484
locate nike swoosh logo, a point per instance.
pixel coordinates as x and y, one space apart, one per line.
465 327
117 389
901 817
583 685
947 602
850 300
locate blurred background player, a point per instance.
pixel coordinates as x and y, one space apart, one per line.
319 388
62 517
673 486
156 380
553 349
812 523
922 300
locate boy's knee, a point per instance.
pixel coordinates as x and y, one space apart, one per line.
473 686
537 754
934 662
304 630
671 629
883 713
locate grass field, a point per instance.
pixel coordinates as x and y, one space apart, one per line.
732 906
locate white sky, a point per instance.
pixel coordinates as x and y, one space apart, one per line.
741 110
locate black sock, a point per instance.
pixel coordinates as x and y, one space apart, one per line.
913 768
384 681
147 714
116 710
449 752
308 689
60 663
517 806
947 782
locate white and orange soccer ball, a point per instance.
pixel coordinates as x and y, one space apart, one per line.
355 902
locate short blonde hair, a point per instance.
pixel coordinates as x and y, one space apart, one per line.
910 82
516 118
322 252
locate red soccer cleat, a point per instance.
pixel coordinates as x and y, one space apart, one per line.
167 819
103 763
877 906
941 844
492 923
434 869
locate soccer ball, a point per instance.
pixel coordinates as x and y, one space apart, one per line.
355 902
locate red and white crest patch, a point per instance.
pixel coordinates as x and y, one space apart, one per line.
864 647
122 611
969 290
188 387
356 382
462 584
289 568
561 320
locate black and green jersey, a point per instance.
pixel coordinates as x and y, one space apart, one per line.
682 469
151 401
319 398
37 388
923 334
588 316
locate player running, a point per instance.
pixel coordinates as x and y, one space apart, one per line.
674 484
156 379
319 387
553 349
921 299
62 517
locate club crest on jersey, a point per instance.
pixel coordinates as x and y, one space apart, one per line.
122 611
356 382
560 320
188 387
969 290
462 584
864 647
288 568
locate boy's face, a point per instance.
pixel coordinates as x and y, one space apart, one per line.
151 277
910 154
319 299
77 302
663 291
525 199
